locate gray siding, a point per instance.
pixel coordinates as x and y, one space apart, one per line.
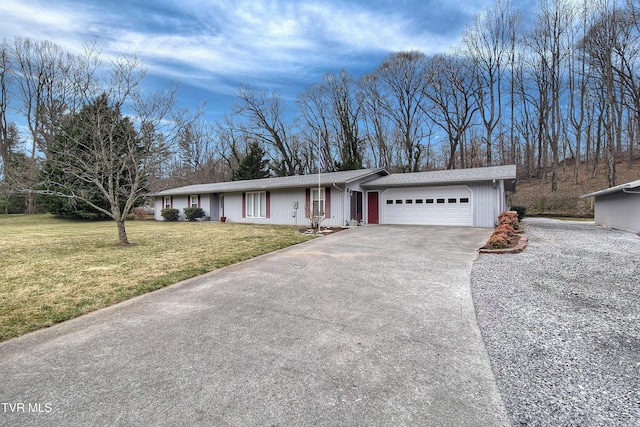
181 202
618 210
488 203
282 210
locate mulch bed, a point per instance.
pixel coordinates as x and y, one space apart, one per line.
516 245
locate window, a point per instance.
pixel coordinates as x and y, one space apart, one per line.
452 201
193 201
389 202
317 201
167 202
398 202
440 200
429 201
464 200
419 201
257 204
409 201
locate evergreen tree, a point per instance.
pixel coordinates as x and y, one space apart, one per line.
253 165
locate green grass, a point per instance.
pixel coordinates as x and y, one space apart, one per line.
52 270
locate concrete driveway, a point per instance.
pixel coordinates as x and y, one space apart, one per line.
370 326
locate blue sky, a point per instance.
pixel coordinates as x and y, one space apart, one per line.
211 47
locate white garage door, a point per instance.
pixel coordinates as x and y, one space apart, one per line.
428 206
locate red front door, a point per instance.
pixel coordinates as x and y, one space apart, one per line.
372 207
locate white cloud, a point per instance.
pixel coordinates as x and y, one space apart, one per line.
212 43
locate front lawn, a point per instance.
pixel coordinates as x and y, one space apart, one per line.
52 270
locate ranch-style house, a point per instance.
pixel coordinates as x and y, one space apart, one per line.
465 197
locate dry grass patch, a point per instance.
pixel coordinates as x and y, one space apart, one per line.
52 270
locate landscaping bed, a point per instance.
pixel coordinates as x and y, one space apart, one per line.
508 236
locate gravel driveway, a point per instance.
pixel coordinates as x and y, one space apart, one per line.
561 323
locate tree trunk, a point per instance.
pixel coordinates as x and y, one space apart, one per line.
122 233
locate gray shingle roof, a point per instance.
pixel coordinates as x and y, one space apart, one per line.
274 183
444 177
621 187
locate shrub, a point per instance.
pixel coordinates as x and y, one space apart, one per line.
140 213
193 214
510 218
521 210
498 240
505 229
170 214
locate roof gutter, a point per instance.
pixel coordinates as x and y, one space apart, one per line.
624 190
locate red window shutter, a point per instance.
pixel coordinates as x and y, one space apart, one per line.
198 200
307 203
171 202
244 205
327 202
268 201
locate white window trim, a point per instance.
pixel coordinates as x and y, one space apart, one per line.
166 202
253 200
191 204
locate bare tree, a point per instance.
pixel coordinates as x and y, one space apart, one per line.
401 78
5 76
317 120
451 89
600 46
489 42
264 116
628 50
550 49
194 150
48 82
377 123
232 142
101 155
578 80
330 115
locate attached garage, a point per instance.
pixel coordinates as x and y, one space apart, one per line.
449 205
459 197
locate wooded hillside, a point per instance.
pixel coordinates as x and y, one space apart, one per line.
536 194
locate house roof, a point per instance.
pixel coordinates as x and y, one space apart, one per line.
444 177
296 181
621 187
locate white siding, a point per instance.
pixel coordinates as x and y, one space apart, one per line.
618 210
